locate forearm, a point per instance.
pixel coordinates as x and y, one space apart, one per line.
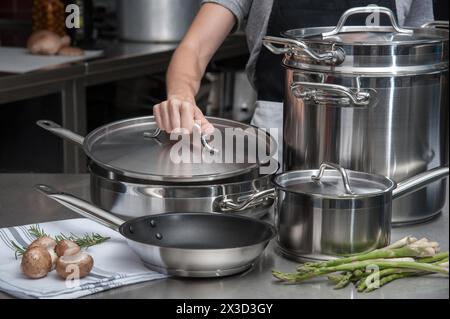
209 29
187 67
185 73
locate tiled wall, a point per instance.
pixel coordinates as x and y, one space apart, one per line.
16 32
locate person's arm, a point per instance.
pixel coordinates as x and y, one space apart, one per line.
208 31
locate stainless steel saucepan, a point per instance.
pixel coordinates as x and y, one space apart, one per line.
183 244
334 212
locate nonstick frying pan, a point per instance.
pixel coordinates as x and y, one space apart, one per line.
183 244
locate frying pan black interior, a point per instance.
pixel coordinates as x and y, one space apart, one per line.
197 231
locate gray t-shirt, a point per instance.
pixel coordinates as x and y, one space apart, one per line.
253 17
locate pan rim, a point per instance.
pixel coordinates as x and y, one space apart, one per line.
268 226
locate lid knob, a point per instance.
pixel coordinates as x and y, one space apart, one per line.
340 169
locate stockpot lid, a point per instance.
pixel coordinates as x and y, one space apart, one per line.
355 35
365 49
333 181
136 148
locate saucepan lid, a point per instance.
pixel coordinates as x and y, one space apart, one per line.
333 181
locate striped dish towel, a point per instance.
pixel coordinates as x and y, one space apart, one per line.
115 264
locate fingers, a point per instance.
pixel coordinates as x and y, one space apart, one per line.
207 128
165 117
176 114
187 116
157 115
174 107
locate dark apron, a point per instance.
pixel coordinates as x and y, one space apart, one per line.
295 14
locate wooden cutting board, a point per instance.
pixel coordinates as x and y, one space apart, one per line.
19 60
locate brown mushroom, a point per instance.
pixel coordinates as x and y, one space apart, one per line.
66 248
79 265
36 262
45 42
49 43
47 243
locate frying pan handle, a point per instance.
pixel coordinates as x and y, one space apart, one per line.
58 130
416 182
81 207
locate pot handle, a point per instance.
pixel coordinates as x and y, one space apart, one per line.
291 46
319 93
340 169
436 24
205 144
368 9
58 130
416 182
228 205
81 207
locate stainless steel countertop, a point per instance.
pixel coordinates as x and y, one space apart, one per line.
20 204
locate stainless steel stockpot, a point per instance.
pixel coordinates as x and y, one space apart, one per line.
133 175
371 98
335 212
155 20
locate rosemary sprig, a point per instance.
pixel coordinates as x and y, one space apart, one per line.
18 250
36 231
85 241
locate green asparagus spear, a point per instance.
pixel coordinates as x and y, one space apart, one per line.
344 281
432 259
390 278
302 276
406 251
363 286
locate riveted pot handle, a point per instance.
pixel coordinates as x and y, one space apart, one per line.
228 205
324 93
436 24
340 169
61 132
368 9
291 46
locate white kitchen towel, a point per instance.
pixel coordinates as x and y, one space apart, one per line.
115 264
